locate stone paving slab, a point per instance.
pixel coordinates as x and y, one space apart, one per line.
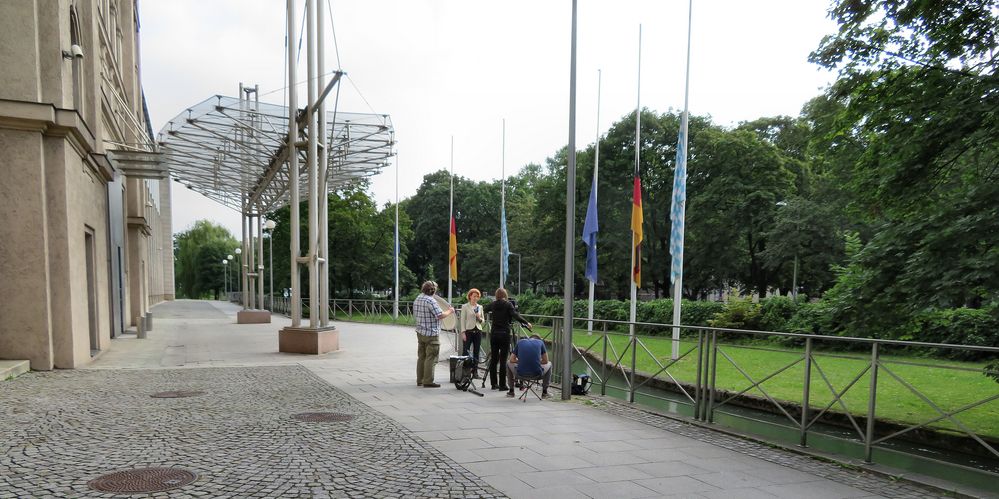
61 429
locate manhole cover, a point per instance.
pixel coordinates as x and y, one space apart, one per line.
142 480
322 417
177 394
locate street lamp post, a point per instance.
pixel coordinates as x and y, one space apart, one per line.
239 280
270 252
228 279
225 277
518 271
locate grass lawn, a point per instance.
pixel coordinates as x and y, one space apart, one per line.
948 389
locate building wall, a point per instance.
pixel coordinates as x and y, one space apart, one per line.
60 116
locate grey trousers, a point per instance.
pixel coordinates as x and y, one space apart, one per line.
546 375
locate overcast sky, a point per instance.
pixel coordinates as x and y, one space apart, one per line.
459 67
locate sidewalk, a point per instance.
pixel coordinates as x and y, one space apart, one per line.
409 441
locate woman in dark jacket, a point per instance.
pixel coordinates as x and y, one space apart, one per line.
503 313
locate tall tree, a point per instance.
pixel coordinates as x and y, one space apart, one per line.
190 261
918 87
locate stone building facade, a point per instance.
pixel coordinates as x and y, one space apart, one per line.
86 240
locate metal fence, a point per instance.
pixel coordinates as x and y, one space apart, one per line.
616 360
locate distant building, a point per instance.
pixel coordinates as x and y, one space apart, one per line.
86 237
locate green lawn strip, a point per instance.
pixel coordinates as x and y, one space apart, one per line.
947 388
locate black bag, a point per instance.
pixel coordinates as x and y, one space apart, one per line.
461 367
580 384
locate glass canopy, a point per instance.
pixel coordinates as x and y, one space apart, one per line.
236 153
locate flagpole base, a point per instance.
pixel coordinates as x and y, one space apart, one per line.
312 341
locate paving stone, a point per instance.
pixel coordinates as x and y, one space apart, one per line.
73 426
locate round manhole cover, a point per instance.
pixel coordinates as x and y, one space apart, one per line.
143 480
177 394
322 417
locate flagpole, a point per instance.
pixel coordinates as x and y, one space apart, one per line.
682 207
633 313
395 305
450 218
502 282
596 169
570 224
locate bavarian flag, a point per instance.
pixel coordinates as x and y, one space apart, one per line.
453 252
636 232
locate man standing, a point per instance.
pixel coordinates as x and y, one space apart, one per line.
529 359
428 315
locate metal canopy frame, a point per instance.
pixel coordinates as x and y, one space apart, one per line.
225 149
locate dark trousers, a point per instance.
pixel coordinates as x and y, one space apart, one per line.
499 351
473 342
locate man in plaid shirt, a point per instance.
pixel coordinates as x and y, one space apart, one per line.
428 315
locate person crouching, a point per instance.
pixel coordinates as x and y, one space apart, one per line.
529 359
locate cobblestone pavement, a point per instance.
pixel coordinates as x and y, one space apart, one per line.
61 429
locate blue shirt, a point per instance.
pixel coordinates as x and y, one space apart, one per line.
529 352
425 311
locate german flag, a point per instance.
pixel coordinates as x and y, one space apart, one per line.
453 252
636 232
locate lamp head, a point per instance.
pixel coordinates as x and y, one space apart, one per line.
229 257
239 251
270 225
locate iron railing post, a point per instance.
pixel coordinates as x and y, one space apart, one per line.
871 404
713 369
350 309
805 395
603 366
697 380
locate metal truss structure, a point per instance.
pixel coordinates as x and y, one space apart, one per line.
235 151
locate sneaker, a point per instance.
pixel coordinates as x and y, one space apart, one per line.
509 394
419 384
494 387
502 387
545 395
431 385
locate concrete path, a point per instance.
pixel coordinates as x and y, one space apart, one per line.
551 449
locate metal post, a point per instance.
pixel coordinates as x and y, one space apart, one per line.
395 293
697 381
260 262
311 160
243 255
805 395
596 171
678 282
794 279
323 188
250 264
713 369
871 404
570 221
270 265
293 171
603 366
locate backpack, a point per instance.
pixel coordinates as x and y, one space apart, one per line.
580 384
